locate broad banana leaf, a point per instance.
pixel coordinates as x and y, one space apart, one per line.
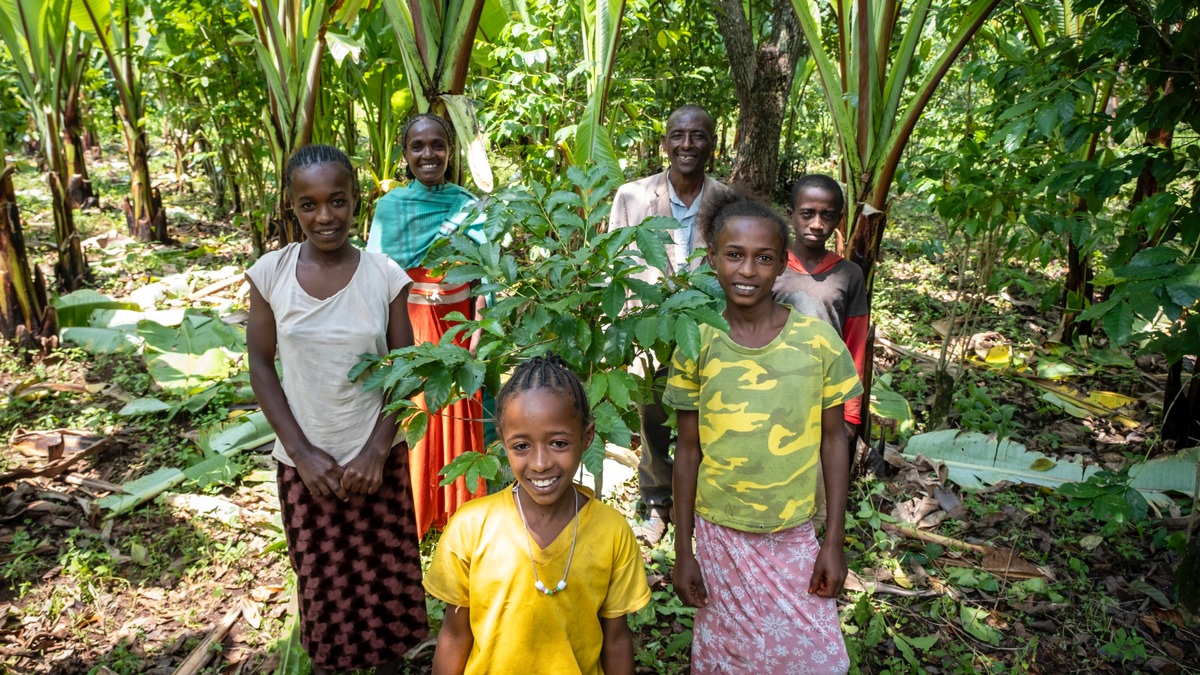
249 431
976 460
600 21
462 116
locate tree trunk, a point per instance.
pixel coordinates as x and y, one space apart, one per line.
216 181
1077 291
762 78
1181 408
24 319
71 269
80 186
144 213
863 249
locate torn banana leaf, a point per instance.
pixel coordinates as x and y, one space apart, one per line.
248 431
1105 404
975 460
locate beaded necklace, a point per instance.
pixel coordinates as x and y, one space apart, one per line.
537 583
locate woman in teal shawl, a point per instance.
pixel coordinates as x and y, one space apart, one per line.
408 220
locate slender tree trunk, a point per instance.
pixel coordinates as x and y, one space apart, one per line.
80 185
216 182
24 318
71 269
762 78
870 221
1181 408
144 213
1078 292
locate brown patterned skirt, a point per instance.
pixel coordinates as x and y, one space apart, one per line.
358 569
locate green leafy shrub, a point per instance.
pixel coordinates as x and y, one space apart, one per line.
561 283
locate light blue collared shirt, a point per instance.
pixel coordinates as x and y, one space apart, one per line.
683 237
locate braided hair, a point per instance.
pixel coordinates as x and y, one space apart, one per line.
441 122
309 155
734 204
545 372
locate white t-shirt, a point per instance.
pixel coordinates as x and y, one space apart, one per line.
319 341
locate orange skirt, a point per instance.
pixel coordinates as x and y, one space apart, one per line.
453 430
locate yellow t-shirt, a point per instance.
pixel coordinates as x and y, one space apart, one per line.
482 563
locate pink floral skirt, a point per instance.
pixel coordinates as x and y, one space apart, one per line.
760 616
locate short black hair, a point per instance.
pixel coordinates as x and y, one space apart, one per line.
691 108
734 204
441 122
309 155
545 372
821 182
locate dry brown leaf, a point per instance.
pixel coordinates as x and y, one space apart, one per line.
250 613
1006 563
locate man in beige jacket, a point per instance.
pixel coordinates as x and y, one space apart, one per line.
679 192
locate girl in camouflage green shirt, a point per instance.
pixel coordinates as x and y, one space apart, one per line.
756 409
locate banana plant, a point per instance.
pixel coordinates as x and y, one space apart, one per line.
37 34
289 44
600 22
80 185
23 303
865 70
122 30
436 38
383 94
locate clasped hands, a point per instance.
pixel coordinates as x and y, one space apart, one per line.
323 476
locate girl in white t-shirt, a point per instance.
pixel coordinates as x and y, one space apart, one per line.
343 489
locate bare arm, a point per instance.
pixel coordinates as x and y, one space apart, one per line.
829 572
689 583
454 642
616 654
364 473
320 473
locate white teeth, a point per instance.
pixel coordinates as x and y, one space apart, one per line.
744 287
543 483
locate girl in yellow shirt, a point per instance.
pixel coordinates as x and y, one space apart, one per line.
538 577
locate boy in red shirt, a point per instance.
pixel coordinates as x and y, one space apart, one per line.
821 283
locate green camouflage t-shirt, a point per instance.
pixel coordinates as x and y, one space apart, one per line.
760 420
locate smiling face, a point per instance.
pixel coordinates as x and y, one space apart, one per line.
748 256
427 151
688 142
814 215
323 200
544 439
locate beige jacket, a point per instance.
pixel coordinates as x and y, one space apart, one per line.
640 199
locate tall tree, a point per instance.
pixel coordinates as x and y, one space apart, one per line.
865 70
122 33
762 77
36 33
